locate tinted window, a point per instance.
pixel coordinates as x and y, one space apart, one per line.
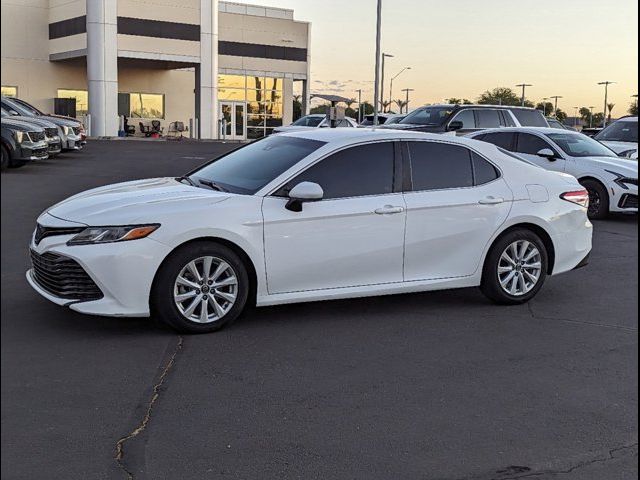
529 118
621 131
250 168
467 118
500 139
435 166
308 121
488 118
483 171
530 144
428 116
508 120
354 172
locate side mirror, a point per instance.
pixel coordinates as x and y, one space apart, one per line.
548 154
455 125
302 193
14 113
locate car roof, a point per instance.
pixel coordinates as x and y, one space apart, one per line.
542 130
628 119
477 105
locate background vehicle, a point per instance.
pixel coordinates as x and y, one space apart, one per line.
621 137
612 181
21 143
309 216
315 121
71 131
464 119
383 119
51 130
555 123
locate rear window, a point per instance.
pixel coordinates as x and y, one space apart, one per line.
530 118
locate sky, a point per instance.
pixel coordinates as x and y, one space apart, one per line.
461 48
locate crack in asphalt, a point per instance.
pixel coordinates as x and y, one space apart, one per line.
142 425
609 456
535 316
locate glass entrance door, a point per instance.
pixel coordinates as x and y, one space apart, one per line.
234 124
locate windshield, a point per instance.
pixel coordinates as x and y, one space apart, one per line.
619 132
248 169
308 121
19 108
428 116
579 145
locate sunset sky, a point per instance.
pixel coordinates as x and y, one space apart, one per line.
461 48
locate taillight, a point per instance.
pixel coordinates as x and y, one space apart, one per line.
579 197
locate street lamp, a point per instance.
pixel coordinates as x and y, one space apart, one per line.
392 79
384 55
359 92
524 86
606 99
377 76
407 90
555 108
591 117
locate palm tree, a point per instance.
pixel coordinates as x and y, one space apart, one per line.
610 108
385 105
350 102
401 104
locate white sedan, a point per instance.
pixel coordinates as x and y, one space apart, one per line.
313 121
309 216
612 181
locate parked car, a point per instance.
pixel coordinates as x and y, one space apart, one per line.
51 130
308 216
555 123
21 143
464 119
621 137
591 131
383 119
612 182
315 121
72 133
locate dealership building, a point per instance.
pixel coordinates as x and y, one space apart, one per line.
228 69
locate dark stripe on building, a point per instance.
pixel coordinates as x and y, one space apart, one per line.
66 28
255 50
158 29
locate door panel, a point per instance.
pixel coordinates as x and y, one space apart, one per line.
333 243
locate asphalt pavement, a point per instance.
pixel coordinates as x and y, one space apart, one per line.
433 386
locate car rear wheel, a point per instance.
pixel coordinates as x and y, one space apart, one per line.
200 288
598 199
515 269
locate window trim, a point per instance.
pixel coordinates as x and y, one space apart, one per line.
408 182
395 185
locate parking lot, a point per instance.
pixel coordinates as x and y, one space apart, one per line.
437 385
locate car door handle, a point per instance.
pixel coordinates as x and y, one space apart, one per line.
491 201
389 210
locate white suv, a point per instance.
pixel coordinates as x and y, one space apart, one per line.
621 137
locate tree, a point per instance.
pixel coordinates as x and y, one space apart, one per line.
561 115
633 109
401 104
610 107
297 107
545 107
320 109
458 101
367 108
500 96
585 114
385 105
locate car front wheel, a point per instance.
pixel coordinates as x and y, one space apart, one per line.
515 268
200 288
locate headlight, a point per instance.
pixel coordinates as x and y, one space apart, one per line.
94 235
66 130
628 153
22 137
622 181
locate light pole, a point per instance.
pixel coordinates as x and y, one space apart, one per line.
555 108
359 92
591 117
407 90
606 99
392 79
384 55
377 85
524 86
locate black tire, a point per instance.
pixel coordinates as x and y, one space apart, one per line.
491 286
4 163
163 306
598 199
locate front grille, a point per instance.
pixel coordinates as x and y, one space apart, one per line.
54 147
628 201
41 152
51 132
36 136
630 181
43 232
63 277
76 130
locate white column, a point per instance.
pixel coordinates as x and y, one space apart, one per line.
102 66
208 69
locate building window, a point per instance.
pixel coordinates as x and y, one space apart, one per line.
146 105
263 97
8 91
82 99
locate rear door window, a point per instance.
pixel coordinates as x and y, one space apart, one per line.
438 166
531 144
504 140
487 118
530 118
467 118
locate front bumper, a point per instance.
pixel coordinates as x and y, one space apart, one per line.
623 200
55 146
124 272
72 142
29 151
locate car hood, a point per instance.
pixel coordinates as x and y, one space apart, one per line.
66 121
20 125
36 121
620 147
141 201
623 166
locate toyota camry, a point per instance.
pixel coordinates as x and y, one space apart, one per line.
308 216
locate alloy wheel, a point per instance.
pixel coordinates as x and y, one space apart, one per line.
205 290
519 268
594 202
